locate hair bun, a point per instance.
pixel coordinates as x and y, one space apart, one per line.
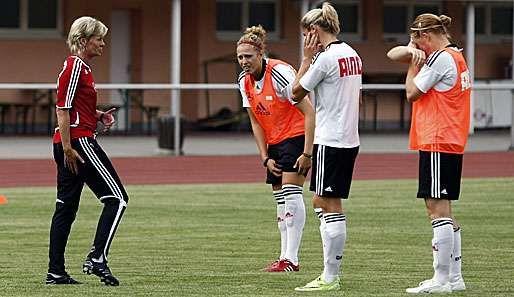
257 31
445 20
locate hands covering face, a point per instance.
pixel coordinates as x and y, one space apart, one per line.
311 44
418 56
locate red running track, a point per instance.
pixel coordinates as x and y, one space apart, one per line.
243 169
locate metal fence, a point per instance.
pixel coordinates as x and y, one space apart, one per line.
370 90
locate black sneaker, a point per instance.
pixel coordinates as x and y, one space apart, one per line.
55 279
101 270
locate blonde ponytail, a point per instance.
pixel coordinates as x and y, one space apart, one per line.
325 17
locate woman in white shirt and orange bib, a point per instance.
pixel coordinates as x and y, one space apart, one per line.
438 86
283 131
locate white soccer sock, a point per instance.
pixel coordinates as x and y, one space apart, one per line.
442 247
281 211
334 240
295 220
456 261
322 228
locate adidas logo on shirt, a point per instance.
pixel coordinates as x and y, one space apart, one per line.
261 110
328 189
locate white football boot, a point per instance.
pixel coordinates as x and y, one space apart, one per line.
430 286
457 284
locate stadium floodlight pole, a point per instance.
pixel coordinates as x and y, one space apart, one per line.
470 59
512 90
304 8
175 70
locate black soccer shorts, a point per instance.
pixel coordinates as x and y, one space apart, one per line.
332 171
439 175
285 154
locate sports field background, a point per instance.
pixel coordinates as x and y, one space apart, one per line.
212 240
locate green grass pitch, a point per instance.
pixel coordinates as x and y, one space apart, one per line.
212 240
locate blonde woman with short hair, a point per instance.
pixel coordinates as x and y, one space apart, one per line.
80 159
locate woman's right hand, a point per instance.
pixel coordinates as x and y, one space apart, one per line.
418 56
70 160
274 167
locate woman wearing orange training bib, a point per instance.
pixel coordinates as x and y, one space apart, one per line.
284 133
439 88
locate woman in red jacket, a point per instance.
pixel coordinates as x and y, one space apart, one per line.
79 158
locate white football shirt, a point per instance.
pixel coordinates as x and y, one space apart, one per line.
439 72
334 81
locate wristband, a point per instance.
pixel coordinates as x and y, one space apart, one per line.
265 163
307 155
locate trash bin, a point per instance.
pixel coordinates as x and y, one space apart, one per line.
166 134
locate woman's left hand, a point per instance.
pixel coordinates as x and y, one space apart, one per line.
311 45
108 119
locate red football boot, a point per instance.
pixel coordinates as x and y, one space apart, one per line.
272 266
285 266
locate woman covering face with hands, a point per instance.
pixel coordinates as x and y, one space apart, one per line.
408 54
439 88
331 72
